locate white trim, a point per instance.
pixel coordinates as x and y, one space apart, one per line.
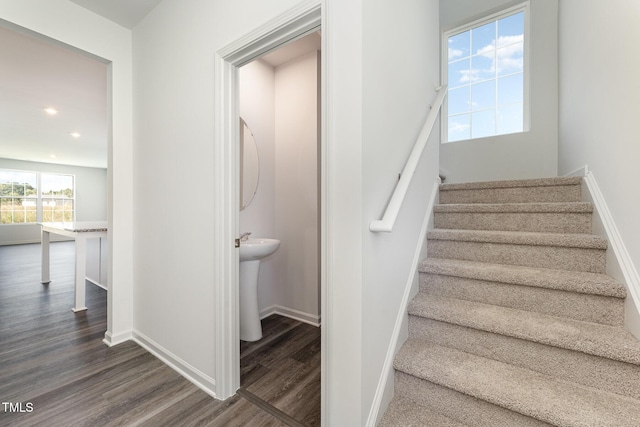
619 263
96 282
579 172
225 257
194 375
291 313
111 339
394 344
292 24
54 239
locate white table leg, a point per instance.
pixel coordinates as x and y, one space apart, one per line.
81 272
44 236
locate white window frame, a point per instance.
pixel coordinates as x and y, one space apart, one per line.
15 197
444 117
39 198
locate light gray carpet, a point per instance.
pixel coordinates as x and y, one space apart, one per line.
516 323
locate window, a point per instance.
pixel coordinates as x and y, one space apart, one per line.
57 197
18 197
486 73
29 197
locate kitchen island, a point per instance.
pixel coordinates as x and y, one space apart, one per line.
80 231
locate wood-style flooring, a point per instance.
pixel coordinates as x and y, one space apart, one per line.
56 371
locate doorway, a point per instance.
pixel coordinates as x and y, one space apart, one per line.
294 24
279 171
279 105
117 134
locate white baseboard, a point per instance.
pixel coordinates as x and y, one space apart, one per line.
384 391
619 263
194 375
53 239
115 339
301 316
95 282
579 172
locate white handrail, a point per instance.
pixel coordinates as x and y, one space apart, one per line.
389 218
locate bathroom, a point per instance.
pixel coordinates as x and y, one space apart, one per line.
280 104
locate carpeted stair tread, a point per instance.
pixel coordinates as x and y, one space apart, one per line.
458 406
583 241
599 340
556 190
567 365
538 182
571 207
572 281
405 413
521 390
515 322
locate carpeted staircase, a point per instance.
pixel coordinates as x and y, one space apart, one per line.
516 323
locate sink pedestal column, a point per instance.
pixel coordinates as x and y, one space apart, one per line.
250 326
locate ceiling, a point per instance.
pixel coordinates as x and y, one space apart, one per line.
124 12
293 50
37 73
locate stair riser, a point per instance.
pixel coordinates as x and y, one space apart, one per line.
589 308
515 221
593 371
567 258
543 194
460 407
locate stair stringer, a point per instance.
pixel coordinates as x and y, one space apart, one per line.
619 263
385 389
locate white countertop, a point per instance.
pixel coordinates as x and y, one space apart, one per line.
77 226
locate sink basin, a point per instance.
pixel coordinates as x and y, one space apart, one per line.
251 252
256 249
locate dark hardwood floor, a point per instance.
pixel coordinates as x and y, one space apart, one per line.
56 371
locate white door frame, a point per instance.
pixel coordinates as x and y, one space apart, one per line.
293 24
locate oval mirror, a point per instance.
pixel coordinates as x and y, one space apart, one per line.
249 165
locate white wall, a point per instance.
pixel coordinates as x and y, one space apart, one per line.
174 51
91 197
531 154
283 106
75 26
599 108
296 107
400 74
257 108
342 224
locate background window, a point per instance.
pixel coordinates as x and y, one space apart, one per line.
18 197
29 197
485 73
57 197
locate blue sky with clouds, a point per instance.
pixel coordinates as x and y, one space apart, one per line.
485 77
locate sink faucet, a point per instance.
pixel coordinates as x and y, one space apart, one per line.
244 236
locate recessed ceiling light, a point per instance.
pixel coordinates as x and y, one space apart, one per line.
53 156
75 134
51 111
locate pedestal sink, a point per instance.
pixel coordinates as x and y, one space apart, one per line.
251 252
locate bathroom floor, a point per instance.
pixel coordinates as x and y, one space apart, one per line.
281 372
55 369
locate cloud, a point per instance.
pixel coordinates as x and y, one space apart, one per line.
467 76
508 58
509 55
455 53
458 127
